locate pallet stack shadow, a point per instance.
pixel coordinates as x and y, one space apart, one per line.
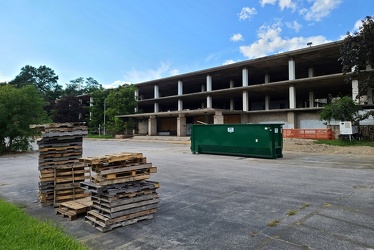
120 192
60 171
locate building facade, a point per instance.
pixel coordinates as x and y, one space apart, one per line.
288 88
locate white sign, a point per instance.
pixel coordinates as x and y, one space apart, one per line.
230 130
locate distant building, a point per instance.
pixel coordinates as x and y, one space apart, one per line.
288 88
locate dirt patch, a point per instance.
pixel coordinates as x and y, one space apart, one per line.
308 146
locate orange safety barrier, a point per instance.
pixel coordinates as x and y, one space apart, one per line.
317 134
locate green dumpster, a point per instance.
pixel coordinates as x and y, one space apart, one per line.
253 140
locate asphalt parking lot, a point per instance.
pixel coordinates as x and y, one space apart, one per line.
225 202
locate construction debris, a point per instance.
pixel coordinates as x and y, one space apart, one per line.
60 171
120 192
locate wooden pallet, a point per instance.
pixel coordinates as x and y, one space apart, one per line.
125 156
58 125
104 224
67 148
73 209
121 188
103 182
125 203
126 172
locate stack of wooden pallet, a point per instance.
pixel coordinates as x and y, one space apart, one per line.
60 171
121 194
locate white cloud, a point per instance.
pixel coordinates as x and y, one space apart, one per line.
289 4
174 72
294 25
271 42
320 9
283 4
229 62
115 84
236 38
263 2
137 76
357 26
247 13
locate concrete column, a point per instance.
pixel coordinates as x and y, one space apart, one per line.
267 102
152 125
370 96
203 105
292 97
232 104
291 69
208 89
232 101
267 78
209 102
180 105
156 92
208 83
311 72
291 119
232 84
91 104
244 77
218 117
156 107
181 125
355 96
136 96
311 99
245 101
370 90
180 87
202 88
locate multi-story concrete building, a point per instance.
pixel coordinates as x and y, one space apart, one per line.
288 88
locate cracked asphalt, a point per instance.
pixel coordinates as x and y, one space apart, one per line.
225 202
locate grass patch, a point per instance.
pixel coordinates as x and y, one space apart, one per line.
305 205
20 231
292 212
274 223
95 136
346 143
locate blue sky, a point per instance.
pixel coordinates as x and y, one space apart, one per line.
118 41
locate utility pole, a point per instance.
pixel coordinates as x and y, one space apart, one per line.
104 116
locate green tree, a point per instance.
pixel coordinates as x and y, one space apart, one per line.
343 109
69 109
44 79
97 109
82 86
357 51
120 101
19 108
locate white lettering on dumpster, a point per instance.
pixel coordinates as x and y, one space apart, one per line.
230 130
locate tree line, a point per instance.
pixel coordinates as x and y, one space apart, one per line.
34 96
